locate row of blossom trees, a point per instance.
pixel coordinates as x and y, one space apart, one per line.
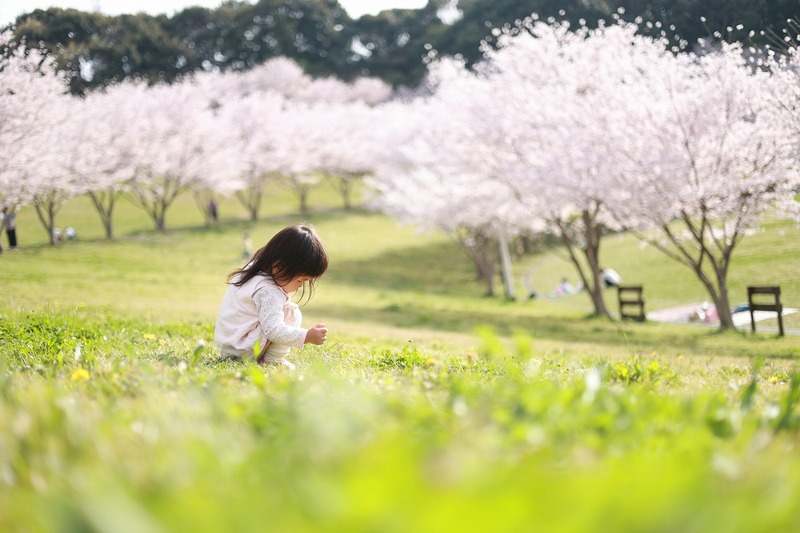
569 131
214 134
579 131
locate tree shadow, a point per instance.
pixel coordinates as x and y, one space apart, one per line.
433 268
591 331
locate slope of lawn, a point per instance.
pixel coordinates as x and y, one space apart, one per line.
431 408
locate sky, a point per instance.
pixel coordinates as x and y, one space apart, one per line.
10 9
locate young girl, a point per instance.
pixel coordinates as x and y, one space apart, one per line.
257 305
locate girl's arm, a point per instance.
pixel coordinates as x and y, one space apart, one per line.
272 320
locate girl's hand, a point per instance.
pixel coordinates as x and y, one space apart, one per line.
317 335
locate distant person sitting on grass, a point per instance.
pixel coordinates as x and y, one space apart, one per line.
258 308
564 288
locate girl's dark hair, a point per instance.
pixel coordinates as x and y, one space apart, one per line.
293 251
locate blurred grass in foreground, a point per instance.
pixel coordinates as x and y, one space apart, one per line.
122 425
431 408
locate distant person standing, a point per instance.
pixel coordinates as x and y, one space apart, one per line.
9 222
564 288
213 214
247 242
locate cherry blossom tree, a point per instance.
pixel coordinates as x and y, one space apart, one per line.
254 123
555 83
283 122
707 157
784 97
48 183
279 75
560 117
169 134
283 76
432 173
525 132
324 138
297 148
222 164
34 107
348 148
471 146
101 156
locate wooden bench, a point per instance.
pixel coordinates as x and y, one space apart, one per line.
631 296
775 306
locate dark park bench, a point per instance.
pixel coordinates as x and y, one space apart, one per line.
630 297
775 305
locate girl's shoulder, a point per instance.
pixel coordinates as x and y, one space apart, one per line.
261 283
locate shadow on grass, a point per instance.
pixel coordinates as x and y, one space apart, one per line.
150 233
435 268
636 338
313 217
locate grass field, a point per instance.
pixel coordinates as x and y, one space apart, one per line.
431 408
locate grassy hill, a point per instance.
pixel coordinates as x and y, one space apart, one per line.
430 408
381 273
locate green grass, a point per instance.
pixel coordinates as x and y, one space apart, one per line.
769 258
431 408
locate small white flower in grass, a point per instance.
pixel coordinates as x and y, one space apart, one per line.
78 352
536 435
460 407
772 411
198 351
725 466
593 381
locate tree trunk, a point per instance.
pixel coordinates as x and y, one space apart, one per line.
104 203
724 308
156 198
160 219
300 186
479 247
108 227
159 214
505 257
346 188
486 271
717 289
591 233
46 209
488 277
719 294
207 205
302 195
250 198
